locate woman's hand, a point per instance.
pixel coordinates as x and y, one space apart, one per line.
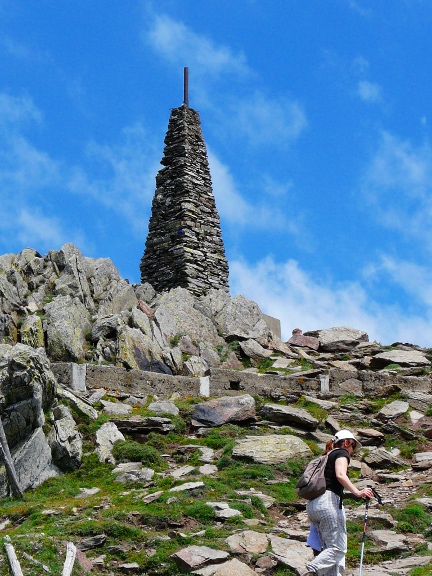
365 493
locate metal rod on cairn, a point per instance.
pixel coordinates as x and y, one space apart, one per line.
186 87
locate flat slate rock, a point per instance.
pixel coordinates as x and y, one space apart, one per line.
404 358
223 510
144 425
117 408
225 409
393 410
339 339
289 415
197 556
230 568
249 542
270 449
163 408
290 552
187 486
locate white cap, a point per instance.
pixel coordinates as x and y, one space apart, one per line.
346 435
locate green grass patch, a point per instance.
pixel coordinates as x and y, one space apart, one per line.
131 451
201 512
313 409
407 447
413 518
348 399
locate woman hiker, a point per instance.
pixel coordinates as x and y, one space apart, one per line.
327 513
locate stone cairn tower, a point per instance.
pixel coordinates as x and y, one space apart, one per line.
184 245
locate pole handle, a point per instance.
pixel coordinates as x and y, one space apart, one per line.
375 493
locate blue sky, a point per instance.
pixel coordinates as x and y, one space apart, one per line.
317 120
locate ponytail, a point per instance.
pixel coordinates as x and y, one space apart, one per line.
329 446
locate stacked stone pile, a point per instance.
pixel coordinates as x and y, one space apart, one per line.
184 246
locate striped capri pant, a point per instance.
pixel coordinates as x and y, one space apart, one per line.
329 518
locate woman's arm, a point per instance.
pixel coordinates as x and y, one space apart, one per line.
341 469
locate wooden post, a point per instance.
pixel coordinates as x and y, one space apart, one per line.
10 468
13 560
70 559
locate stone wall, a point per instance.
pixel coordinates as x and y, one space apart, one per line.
224 382
134 382
184 245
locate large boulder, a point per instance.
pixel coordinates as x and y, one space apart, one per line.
136 350
65 440
270 449
107 435
108 327
32 461
120 297
31 331
289 415
176 315
27 388
239 318
226 409
290 552
103 276
9 296
194 557
252 349
68 323
339 339
403 358
73 278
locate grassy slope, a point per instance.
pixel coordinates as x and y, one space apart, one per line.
51 514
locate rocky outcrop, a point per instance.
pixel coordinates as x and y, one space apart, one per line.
68 322
27 388
81 310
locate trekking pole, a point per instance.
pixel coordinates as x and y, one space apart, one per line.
378 497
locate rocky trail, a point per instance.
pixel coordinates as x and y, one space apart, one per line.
163 434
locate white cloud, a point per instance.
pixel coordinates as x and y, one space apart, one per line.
126 175
16 110
398 186
285 291
356 7
35 228
415 279
235 210
361 64
27 177
369 92
268 120
259 118
26 169
179 44
33 184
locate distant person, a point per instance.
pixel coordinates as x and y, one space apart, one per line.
326 512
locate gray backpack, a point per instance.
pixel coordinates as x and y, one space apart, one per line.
312 482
